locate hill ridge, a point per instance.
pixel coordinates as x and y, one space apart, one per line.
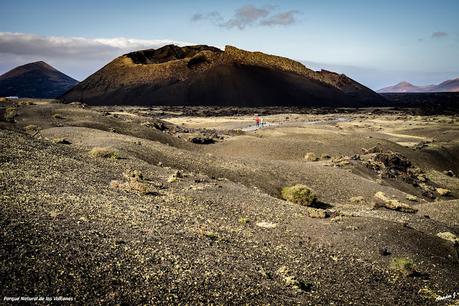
206 75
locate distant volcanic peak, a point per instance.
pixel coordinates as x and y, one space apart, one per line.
40 65
403 86
406 87
404 83
35 80
168 53
35 66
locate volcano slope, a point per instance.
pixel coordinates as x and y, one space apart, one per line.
204 223
203 75
35 80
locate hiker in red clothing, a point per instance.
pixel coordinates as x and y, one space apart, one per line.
257 121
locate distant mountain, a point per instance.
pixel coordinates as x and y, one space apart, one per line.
205 75
447 86
35 80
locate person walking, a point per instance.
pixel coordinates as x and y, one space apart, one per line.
257 121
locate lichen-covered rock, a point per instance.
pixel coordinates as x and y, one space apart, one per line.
449 236
381 200
443 192
310 156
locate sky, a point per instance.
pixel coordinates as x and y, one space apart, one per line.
377 43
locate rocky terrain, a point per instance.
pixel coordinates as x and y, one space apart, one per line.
35 80
204 75
131 205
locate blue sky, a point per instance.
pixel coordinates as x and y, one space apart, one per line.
377 43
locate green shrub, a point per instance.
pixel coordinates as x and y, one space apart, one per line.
299 194
403 265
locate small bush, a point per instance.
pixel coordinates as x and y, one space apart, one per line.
403 265
134 183
317 213
299 194
105 152
10 113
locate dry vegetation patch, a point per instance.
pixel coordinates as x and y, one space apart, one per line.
403 265
134 182
299 194
105 152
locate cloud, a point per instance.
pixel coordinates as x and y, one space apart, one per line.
81 56
31 44
249 15
439 34
212 16
285 18
245 16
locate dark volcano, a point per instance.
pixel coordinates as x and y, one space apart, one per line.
203 75
35 80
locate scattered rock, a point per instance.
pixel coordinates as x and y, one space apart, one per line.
443 192
265 224
393 161
244 220
299 194
421 145
324 156
31 128
380 200
358 199
58 116
449 173
375 149
202 140
428 294
311 157
156 125
341 161
449 236
411 198
61 141
384 251
355 157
